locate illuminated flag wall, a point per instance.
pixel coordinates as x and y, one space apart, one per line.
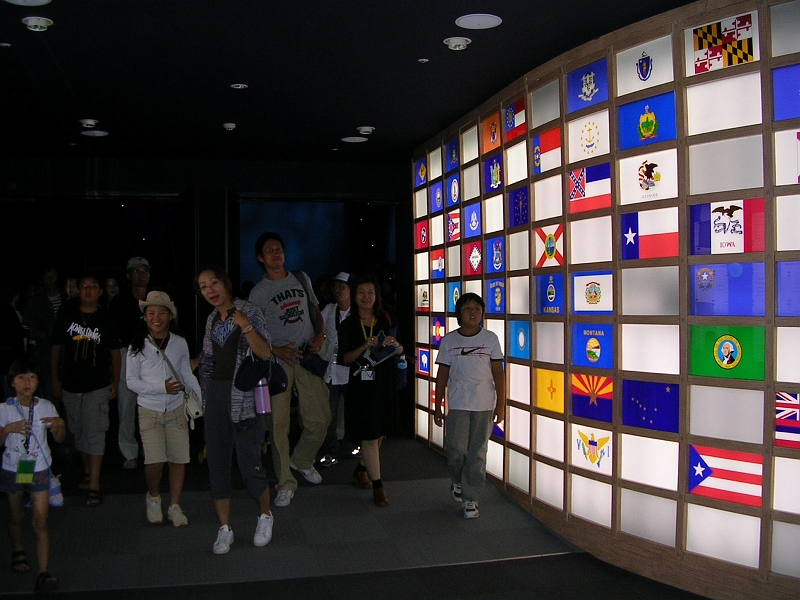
631 221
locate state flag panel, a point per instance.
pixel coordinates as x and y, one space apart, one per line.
550 392
420 172
589 136
472 220
592 448
493 174
547 150
518 207
644 66
593 292
727 475
732 289
726 43
788 288
593 345
451 155
650 234
587 86
732 227
787 419
453 190
726 351
590 188
549 245
490 133
647 121
519 342
651 405
648 177
496 255
593 397
515 119
495 296
549 294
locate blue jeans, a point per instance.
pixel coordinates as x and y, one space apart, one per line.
336 400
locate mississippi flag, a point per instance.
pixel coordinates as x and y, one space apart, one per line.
787 420
590 188
547 151
730 227
515 120
725 475
650 234
549 246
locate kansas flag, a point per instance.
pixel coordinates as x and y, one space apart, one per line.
515 120
593 345
496 255
518 211
549 242
647 121
592 397
547 150
451 159
593 293
786 91
519 343
734 289
495 296
651 405
471 226
587 86
549 294
730 227
453 190
590 188
787 420
726 351
437 200
726 475
453 226
650 234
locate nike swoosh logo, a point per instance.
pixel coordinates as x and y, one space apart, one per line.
468 352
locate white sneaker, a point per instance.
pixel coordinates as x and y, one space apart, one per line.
154 514
283 498
224 540
470 509
177 517
311 475
455 492
263 530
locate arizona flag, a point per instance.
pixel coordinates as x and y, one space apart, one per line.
787 420
590 188
549 245
729 227
547 150
650 234
592 397
725 475
515 120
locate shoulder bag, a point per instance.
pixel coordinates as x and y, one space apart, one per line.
252 370
191 403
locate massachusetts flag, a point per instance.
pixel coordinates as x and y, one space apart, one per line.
590 188
515 120
730 227
650 234
547 150
726 475
549 245
592 397
787 420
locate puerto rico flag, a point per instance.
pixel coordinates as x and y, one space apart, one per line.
650 234
547 150
787 420
515 120
549 245
726 475
590 188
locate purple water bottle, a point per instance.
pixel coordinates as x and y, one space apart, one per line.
261 391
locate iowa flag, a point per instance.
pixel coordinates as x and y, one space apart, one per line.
731 227
592 397
549 242
590 188
515 120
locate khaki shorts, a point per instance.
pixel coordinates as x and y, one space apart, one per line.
165 436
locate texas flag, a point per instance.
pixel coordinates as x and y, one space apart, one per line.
727 475
787 420
549 245
515 120
547 150
650 234
730 227
590 188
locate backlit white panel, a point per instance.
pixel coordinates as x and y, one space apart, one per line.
550 342
423 392
631 76
724 535
649 176
518 427
516 163
549 438
469 144
437 230
452 323
788 221
544 104
421 202
547 198
591 500
785 548
517 251
648 517
590 240
423 419
519 471
787 485
493 214
423 263
435 164
651 348
519 300
423 330
549 485
707 404
434 367
519 386
650 461
494 459
438 297
726 165
591 448
788 351
454 261
589 136
498 327
474 286
724 103
471 182
650 291
785 20
437 434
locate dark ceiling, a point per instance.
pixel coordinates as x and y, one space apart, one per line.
157 75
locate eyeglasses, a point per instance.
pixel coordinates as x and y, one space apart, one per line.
274 250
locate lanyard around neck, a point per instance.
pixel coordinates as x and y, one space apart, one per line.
364 331
27 441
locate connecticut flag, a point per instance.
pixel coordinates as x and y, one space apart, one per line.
590 188
730 227
547 150
787 420
515 120
650 234
725 475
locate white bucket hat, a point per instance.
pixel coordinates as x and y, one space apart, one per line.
159 299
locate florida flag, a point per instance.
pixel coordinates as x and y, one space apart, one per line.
725 475
590 188
515 120
549 245
730 227
547 150
650 234
787 420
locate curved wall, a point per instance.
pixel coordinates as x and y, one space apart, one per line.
630 213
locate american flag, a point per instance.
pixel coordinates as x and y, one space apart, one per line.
787 420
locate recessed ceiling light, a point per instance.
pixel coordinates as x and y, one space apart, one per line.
5 45
29 2
89 122
478 21
229 126
366 130
239 86
37 23
354 139
422 60
457 43
94 133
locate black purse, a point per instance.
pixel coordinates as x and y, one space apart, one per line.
253 369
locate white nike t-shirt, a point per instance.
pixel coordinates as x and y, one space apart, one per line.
470 385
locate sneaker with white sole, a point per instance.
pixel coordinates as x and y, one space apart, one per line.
263 530
470 509
311 475
176 515
328 460
154 514
224 540
283 498
455 492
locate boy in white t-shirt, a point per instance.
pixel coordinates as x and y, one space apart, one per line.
471 369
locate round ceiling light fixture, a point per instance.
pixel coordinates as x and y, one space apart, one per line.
478 21
229 126
457 43
239 86
89 122
366 130
94 133
29 2
37 23
354 139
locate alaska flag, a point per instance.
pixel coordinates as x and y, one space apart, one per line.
550 294
726 475
518 213
515 120
587 86
788 284
453 190
437 199
728 227
786 85
420 172
495 296
496 255
593 345
519 343
650 234
726 351
451 159
592 397
493 174
647 121
651 405
472 220
731 290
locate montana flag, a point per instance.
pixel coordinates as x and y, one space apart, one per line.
437 330
437 198
651 405
490 133
550 294
515 120
787 420
437 264
787 157
495 296
730 290
519 339
420 172
726 475
453 226
422 238
592 397
647 121
593 293
593 345
590 188
453 190
650 234
786 92
550 390
518 211
587 86
549 242
730 227
726 43
726 351
547 150
451 158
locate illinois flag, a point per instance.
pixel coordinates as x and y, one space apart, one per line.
648 177
453 226
550 390
547 150
515 120
787 157
651 405
490 133
726 475
726 43
589 136
590 188
650 234
549 243
593 293
592 397
731 227
726 351
787 420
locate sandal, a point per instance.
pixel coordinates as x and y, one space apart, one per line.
84 484
45 582
93 498
19 562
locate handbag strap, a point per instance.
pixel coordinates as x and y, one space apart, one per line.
169 364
